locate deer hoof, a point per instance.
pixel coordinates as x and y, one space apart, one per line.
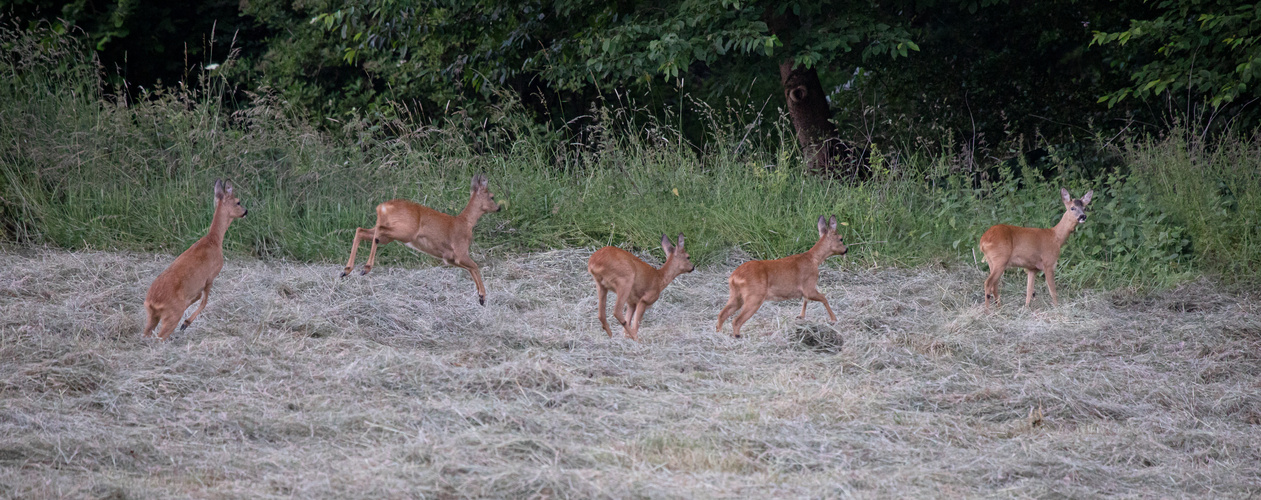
184 326
481 299
365 271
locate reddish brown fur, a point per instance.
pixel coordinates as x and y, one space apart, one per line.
637 284
192 273
1033 249
430 231
795 276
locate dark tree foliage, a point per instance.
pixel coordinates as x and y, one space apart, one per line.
149 43
849 74
1022 71
1192 51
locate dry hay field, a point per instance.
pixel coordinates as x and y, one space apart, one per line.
295 383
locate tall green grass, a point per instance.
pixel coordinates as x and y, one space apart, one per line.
82 169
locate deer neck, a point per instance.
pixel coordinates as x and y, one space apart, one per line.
667 273
816 254
471 213
1066 226
219 225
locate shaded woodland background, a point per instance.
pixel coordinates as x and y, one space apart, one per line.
918 123
999 77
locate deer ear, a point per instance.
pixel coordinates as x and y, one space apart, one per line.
832 224
1085 200
218 189
823 224
1068 198
666 246
680 245
227 188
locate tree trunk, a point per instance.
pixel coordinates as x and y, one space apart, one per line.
808 107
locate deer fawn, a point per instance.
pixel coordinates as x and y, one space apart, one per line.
1034 249
430 231
637 284
192 273
781 279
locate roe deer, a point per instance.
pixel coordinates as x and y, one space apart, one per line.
637 284
192 273
781 279
427 230
1031 248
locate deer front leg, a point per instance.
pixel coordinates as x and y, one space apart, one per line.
818 296
467 263
1050 284
637 319
1029 286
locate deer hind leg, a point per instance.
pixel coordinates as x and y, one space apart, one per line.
379 238
152 322
601 294
751 305
169 320
205 297
733 303
621 304
1050 284
994 282
360 235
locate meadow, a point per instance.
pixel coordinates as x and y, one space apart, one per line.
295 383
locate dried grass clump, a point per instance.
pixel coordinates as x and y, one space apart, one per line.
295 383
822 338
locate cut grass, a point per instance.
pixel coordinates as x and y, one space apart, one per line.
296 383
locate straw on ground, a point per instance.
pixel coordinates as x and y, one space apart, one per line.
296 383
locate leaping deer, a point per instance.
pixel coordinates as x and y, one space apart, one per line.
191 274
781 279
427 230
637 284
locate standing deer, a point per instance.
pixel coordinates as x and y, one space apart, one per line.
192 273
427 230
781 279
637 284
1034 249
